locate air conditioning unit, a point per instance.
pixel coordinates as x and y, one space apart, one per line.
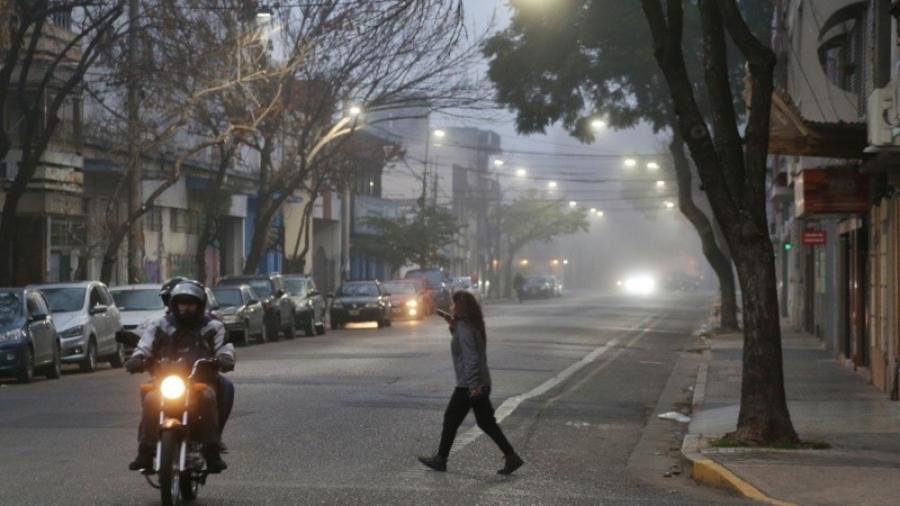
880 108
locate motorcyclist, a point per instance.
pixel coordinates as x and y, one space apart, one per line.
185 332
224 387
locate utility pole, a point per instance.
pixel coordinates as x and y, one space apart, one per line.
135 174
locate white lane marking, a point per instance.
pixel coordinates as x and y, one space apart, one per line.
510 404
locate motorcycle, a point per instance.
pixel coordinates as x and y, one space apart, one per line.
178 468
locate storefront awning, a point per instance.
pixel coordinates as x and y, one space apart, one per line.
791 134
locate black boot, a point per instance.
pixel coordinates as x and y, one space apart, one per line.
144 459
213 457
513 462
437 462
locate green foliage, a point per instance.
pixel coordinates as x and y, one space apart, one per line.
578 60
416 240
534 218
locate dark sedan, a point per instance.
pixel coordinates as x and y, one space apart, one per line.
536 287
360 301
241 312
28 339
407 300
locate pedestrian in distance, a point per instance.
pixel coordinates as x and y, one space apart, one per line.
473 384
518 282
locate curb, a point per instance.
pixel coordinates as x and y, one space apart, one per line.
707 471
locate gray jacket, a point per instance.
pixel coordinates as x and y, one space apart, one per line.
469 350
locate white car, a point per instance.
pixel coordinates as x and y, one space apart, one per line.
87 320
139 306
465 283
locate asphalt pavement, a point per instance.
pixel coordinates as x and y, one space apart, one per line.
828 402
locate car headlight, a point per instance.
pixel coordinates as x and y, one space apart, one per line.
172 387
337 304
12 335
75 331
230 318
411 303
372 304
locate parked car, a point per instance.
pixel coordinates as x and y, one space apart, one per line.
309 305
536 287
139 306
29 342
439 283
87 320
242 313
279 308
360 301
212 304
465 283
408 300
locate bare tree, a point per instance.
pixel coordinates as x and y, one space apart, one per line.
48 48
199 68
383 56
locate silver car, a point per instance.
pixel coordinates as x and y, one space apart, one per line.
87 320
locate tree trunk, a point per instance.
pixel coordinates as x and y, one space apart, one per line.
733 171
711 250
763 416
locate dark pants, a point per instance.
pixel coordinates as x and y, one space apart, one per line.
203 421
224 400
460 404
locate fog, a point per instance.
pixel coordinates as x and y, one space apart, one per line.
635 232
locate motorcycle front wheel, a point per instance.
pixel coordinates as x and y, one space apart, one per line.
169 473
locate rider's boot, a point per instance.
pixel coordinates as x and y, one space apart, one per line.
213 457
144 459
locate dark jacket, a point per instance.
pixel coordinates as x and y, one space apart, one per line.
469 350
165 337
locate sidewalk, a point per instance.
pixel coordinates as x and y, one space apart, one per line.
827 401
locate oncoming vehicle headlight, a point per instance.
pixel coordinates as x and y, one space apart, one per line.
641 284
411 303
172 387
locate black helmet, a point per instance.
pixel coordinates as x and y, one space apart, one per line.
188 291
165 292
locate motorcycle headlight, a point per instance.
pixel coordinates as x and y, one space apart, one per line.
75 331
11 335
172 387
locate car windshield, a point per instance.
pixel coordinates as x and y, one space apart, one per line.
64 300
296 287
358 290
10 310
137 299
534 281
228 297
398 288
262 287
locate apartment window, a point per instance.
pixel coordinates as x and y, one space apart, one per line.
841 51
153 220
184 221
66 233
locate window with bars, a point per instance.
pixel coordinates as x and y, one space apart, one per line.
66 233
153 220
184 221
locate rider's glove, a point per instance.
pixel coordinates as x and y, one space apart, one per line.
135 364
226 363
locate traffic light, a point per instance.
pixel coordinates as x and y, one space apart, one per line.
787 246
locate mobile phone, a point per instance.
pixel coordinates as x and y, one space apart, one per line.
442 313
